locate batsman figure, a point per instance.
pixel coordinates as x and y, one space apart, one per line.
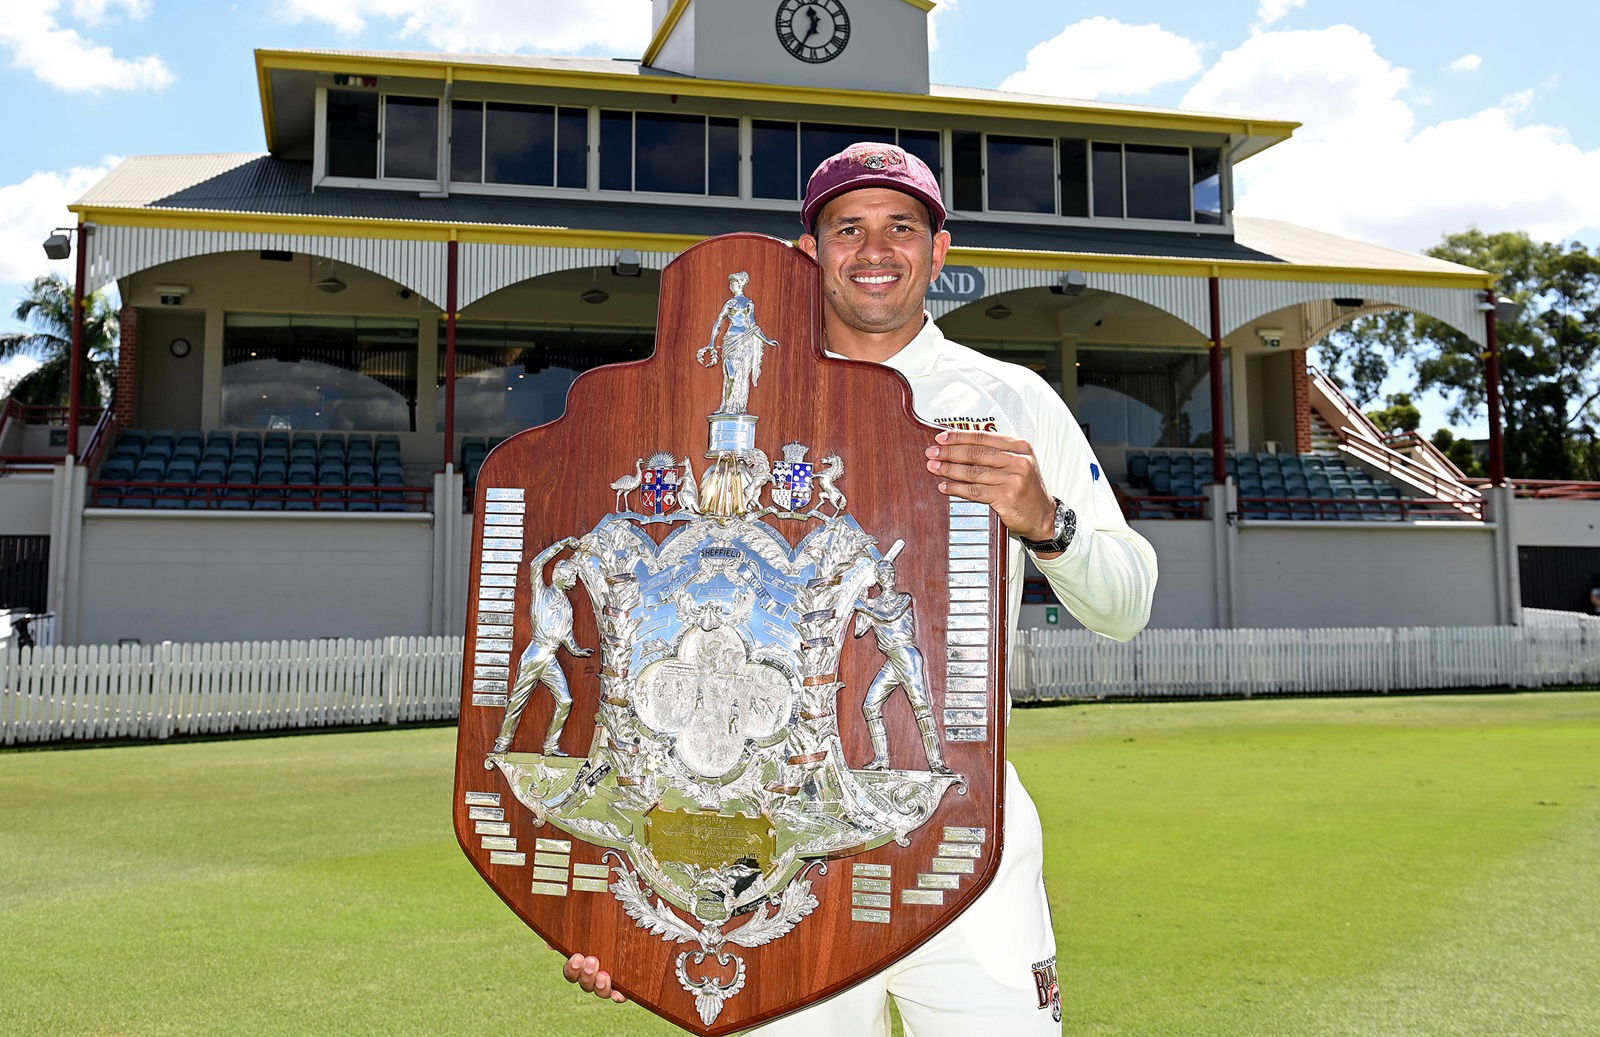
551 613
890 617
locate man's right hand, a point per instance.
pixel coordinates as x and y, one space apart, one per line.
586 972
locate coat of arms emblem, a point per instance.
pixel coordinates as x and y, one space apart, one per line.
721 753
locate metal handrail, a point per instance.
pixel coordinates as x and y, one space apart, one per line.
213 494
1405 508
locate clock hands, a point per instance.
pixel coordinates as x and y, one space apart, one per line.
816 23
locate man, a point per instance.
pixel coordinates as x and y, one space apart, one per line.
874 222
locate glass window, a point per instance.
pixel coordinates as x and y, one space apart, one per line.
572 147
774 159
925 145
1022 174
466 141
1148 397
1207 185
966 158
1108 180
616 151
411 138
722 157
513 376
1074 177
821 140
669 153
352 134
519 144
319 372
1158 182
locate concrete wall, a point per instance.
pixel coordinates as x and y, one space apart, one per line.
25 503
1186 593
170 387
1321 576
231 576
1556 523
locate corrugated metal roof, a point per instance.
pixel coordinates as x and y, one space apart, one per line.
263 184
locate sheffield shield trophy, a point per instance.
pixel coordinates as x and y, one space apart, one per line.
732 724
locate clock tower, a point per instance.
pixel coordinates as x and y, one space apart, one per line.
843 44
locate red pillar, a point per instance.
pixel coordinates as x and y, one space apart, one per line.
451 263
1219 447
1491 386
75 367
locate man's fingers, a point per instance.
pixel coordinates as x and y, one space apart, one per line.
954 437
573 968
970 472
974 492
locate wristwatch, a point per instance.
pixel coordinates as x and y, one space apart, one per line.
1066 526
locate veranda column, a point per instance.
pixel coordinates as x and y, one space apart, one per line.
450 300
1219 448
75 365
1491 386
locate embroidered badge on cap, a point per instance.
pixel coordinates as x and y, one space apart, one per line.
873 157
1049 987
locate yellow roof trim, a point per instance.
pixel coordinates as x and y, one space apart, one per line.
575 237
925 5
687 86
669 23
269 116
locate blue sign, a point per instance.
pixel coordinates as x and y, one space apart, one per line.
957 284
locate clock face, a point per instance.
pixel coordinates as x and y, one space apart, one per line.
178 347
813 30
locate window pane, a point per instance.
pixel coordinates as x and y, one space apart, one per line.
1158 182
319 372
510 377
1021 174
572 148
966 156
411 138
671 153
616 151
775 160
822 140
1108 179
1207 185
466 141
519 144
722 157
352 134
925 145
1074 177
1148 397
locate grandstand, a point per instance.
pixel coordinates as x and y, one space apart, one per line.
322 342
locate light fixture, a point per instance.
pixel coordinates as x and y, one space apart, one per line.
999 311
331 284
1272 338
626 263
58 245
1072 282
171 294
595 296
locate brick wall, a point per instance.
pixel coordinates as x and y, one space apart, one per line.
1302 402
126 402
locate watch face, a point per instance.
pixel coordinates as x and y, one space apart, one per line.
813 30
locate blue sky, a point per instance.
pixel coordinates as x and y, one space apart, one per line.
1421 118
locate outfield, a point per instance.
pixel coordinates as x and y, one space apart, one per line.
1334 866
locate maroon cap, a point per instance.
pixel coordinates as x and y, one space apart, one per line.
872 165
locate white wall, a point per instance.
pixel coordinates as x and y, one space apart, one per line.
25 505
1324 576
225 576
1556 523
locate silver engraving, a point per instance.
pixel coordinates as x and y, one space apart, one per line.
548 889
968 669
502 520
966 734
969 608
496 593
507 857
591 871
969 522
502 556
490 605
494 619
969 565
498 842
490 687
871 900
481 799
489 701
491 673
492 658
875 871
491 828
939 881
953 865
962 683
956 654
550 874
487 580
584 885
968 623
953 834
502 544
863 914
484 644
968 507
960 850
505 507
498 568
969 551
922 896
553 845
504 493
965 700
551 860
969 536
968 637
966 717
970 580
969 593
870 885
486 813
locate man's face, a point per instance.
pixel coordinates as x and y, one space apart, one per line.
878 254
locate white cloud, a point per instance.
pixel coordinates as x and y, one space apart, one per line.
65 59
620 27
934 17
28 212
1269 11
1466 63
1360 165
1101 56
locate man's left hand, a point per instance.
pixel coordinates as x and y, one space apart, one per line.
998 471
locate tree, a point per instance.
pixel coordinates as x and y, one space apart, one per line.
1549 355
1460 452
47 309
1401 415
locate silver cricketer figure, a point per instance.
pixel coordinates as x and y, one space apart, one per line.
551 613
890 617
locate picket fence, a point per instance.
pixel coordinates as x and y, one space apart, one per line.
91 692
79 692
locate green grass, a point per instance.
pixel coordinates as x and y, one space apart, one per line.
1338 866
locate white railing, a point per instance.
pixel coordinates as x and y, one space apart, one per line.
1558 618
1061 665
77 692
41 627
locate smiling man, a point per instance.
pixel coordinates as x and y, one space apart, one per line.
874 222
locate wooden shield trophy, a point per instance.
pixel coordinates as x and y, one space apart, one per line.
733 708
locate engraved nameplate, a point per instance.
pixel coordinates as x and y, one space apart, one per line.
965 700
922 896
969 550
553 845
502 556
493 658
561 860
496 592
505 507
501 544
502 520
503 568
966 717
955 669
492 828
960 850
870 900
493 619
487 813
970 536
507 857
969 521
875 871
481 799
969 565
867 914
498 842
491 673
968 623
549 889
866 885
488 580
592 871
550 874
956 683
966 734
968 637
504 493
965 835
490 687
969 608
485 605
970 593
488 645
953 865
957 653
495 701
582 885
939 881
968 507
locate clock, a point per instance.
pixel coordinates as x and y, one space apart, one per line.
813 30
178 347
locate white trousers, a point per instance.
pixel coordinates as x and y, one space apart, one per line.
977 976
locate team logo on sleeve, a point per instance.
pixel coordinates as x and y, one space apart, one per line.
1048 986
967 423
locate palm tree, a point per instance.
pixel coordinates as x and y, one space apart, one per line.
47 309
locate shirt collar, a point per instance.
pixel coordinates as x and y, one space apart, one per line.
917 356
